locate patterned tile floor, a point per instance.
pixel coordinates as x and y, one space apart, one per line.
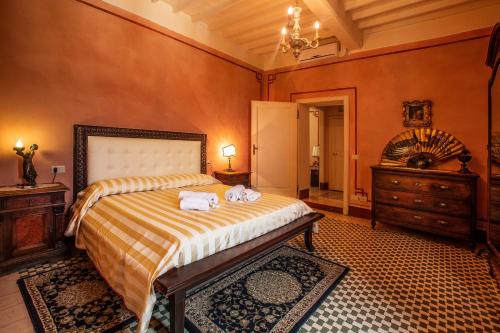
399 282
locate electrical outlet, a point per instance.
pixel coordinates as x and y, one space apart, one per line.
60 169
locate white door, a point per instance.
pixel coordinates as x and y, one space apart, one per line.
336 153
274 147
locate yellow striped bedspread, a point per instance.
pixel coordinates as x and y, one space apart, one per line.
133 230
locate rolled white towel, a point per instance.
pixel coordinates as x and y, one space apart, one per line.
211 197
235 193
251 195
194 204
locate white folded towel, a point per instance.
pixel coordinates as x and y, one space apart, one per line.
211 197
251 195
235 193
194 204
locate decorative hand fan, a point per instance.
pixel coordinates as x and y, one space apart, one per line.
420 148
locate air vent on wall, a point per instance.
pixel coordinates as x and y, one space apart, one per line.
328 47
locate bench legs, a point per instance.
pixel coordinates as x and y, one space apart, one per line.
176 303
308 238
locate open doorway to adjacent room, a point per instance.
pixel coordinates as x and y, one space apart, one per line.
327 157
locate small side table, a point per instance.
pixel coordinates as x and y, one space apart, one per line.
233 178
31 224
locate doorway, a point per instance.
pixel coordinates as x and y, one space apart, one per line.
328 152
301 150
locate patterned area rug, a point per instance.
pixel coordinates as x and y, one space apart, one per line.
70 296
271 294
398 282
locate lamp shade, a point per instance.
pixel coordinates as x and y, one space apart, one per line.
315 151
229 151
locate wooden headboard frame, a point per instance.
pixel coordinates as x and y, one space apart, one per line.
82 132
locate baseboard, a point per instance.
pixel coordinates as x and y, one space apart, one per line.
327 208
363 213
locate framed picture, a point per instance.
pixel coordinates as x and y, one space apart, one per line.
417 113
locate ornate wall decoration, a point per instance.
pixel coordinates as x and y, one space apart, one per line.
420 148
417 113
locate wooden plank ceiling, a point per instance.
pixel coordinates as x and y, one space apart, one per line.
255 24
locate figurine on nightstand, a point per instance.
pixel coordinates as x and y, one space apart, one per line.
29 172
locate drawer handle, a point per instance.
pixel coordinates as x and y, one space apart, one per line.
442 222
443 187
417 217
395 182
418 184
443 204
418 201
395 197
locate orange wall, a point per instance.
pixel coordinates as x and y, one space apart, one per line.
452 75
68 63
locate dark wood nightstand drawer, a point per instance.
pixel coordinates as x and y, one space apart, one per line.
29 201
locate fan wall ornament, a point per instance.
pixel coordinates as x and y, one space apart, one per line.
420 148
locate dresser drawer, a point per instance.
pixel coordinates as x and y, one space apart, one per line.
426 221
441 187
27 201
425 202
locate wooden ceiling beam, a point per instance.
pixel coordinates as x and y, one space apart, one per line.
180 5
332 16
214 10
382 8
354 4
271 39
404 13
246 25
248 11
264 31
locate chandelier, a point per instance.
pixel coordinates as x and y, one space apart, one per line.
295 42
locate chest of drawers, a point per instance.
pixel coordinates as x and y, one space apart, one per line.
439 202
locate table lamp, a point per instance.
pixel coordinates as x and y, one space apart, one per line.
315 154
229 151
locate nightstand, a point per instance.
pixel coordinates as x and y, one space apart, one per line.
31 224
234 177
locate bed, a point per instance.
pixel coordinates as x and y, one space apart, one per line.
148 165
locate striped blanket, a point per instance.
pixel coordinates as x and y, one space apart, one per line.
134 231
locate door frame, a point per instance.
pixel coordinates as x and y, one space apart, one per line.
346 176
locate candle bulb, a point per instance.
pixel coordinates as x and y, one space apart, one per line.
283 34
316 27
19 144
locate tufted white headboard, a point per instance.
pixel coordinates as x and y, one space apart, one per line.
108 152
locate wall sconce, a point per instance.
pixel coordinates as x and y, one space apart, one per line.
29 172
229 151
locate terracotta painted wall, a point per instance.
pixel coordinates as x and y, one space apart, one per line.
453 76
67 63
